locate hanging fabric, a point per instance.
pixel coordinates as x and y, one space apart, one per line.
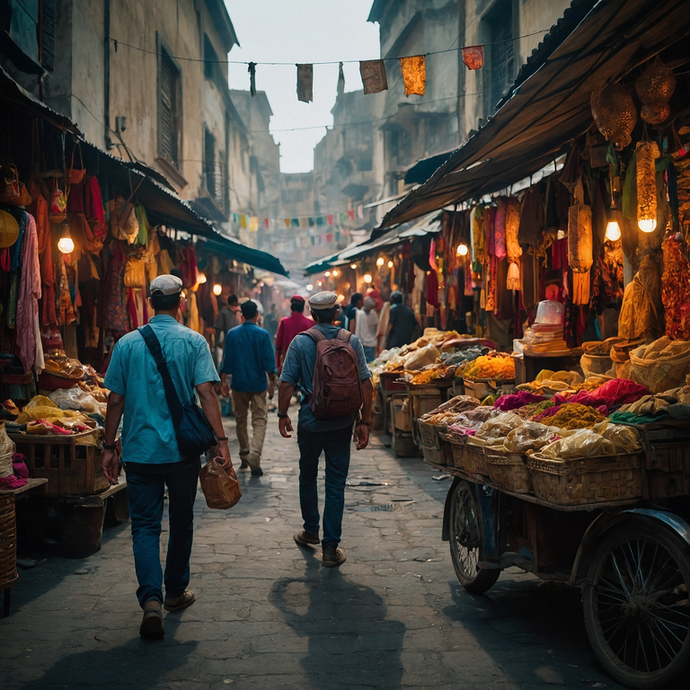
251 68
414 74
473 57
341 81
253 224
373 74
305 83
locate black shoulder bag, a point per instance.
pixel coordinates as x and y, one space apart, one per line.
194 433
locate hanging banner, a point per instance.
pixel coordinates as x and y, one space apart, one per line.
343 217
473 57
287 223
253 224
341 81
294 223
320 221
267 223
373 74
312 222
360 212
414 74
329 237
235 217
305 83
243 221
303 222
351 214
330 218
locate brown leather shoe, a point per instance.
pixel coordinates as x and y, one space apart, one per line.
151 627
332 555
305 538
185 599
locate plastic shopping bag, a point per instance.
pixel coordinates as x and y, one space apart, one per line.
220 486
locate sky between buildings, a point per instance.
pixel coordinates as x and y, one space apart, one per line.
295 31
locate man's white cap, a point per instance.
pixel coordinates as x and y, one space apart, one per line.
166 285
323 300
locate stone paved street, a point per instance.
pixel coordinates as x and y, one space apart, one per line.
268 616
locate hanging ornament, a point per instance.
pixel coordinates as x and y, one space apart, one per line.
645 153
580 243
654 88
614 114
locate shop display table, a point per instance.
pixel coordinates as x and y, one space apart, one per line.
8 538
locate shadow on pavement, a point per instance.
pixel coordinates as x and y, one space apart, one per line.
138 663
351 643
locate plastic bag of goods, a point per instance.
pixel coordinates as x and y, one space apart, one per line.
529 436
583 443
662 365
7 449
421 357
624 438
77 399
498 427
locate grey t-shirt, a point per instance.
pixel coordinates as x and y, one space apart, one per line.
298 369
403 322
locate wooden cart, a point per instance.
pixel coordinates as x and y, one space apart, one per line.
631 557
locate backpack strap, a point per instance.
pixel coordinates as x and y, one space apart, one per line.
344 335
315 334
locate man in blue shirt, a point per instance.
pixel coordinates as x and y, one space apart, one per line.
247 358
150 451
314 436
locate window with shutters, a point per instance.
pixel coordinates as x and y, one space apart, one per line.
210 164
169 107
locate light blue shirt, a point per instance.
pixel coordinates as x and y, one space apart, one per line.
148 434
248 357
298 369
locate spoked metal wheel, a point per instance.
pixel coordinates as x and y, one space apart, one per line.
636 604
466 541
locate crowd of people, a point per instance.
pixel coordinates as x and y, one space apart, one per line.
321 359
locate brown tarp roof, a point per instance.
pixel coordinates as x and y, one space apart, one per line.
551 107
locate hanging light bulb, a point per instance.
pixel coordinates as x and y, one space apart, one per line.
320 283
341 298
310 287
462 250
380 261
217 289
327 274
368 278
201 278
353 266
336 274
645 154
390 264
613 231
65 244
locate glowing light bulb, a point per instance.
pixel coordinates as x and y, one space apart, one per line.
327 274
380 261
647 224
390 264
613 231
66 245
353 266
336 274
320 283
201 278
310 287
341 298
462 250
368 278
217 289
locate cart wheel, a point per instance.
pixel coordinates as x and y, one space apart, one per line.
636 604
466 541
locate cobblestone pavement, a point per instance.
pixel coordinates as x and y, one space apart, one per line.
267 615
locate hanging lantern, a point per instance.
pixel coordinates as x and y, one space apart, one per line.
645 154
380 261
217 289
390 264
580 243
368 278
613 110
65 244
654 87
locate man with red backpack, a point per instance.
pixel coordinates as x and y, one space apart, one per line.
329 364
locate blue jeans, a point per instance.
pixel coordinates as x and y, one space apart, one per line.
336 446
370 353
145 492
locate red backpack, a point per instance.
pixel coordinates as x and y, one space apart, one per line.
337 385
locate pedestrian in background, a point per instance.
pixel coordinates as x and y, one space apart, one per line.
365 327
356 302
402 322
289 327
228 318
271 324
329 434
248 360
150 452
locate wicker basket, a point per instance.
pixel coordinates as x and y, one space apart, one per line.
587 480
475 460
433 449
509 471
8 541
457 446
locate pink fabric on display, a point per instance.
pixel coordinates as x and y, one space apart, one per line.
29 294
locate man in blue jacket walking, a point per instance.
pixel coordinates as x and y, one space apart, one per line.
248 359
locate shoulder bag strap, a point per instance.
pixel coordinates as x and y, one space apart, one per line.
170 393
